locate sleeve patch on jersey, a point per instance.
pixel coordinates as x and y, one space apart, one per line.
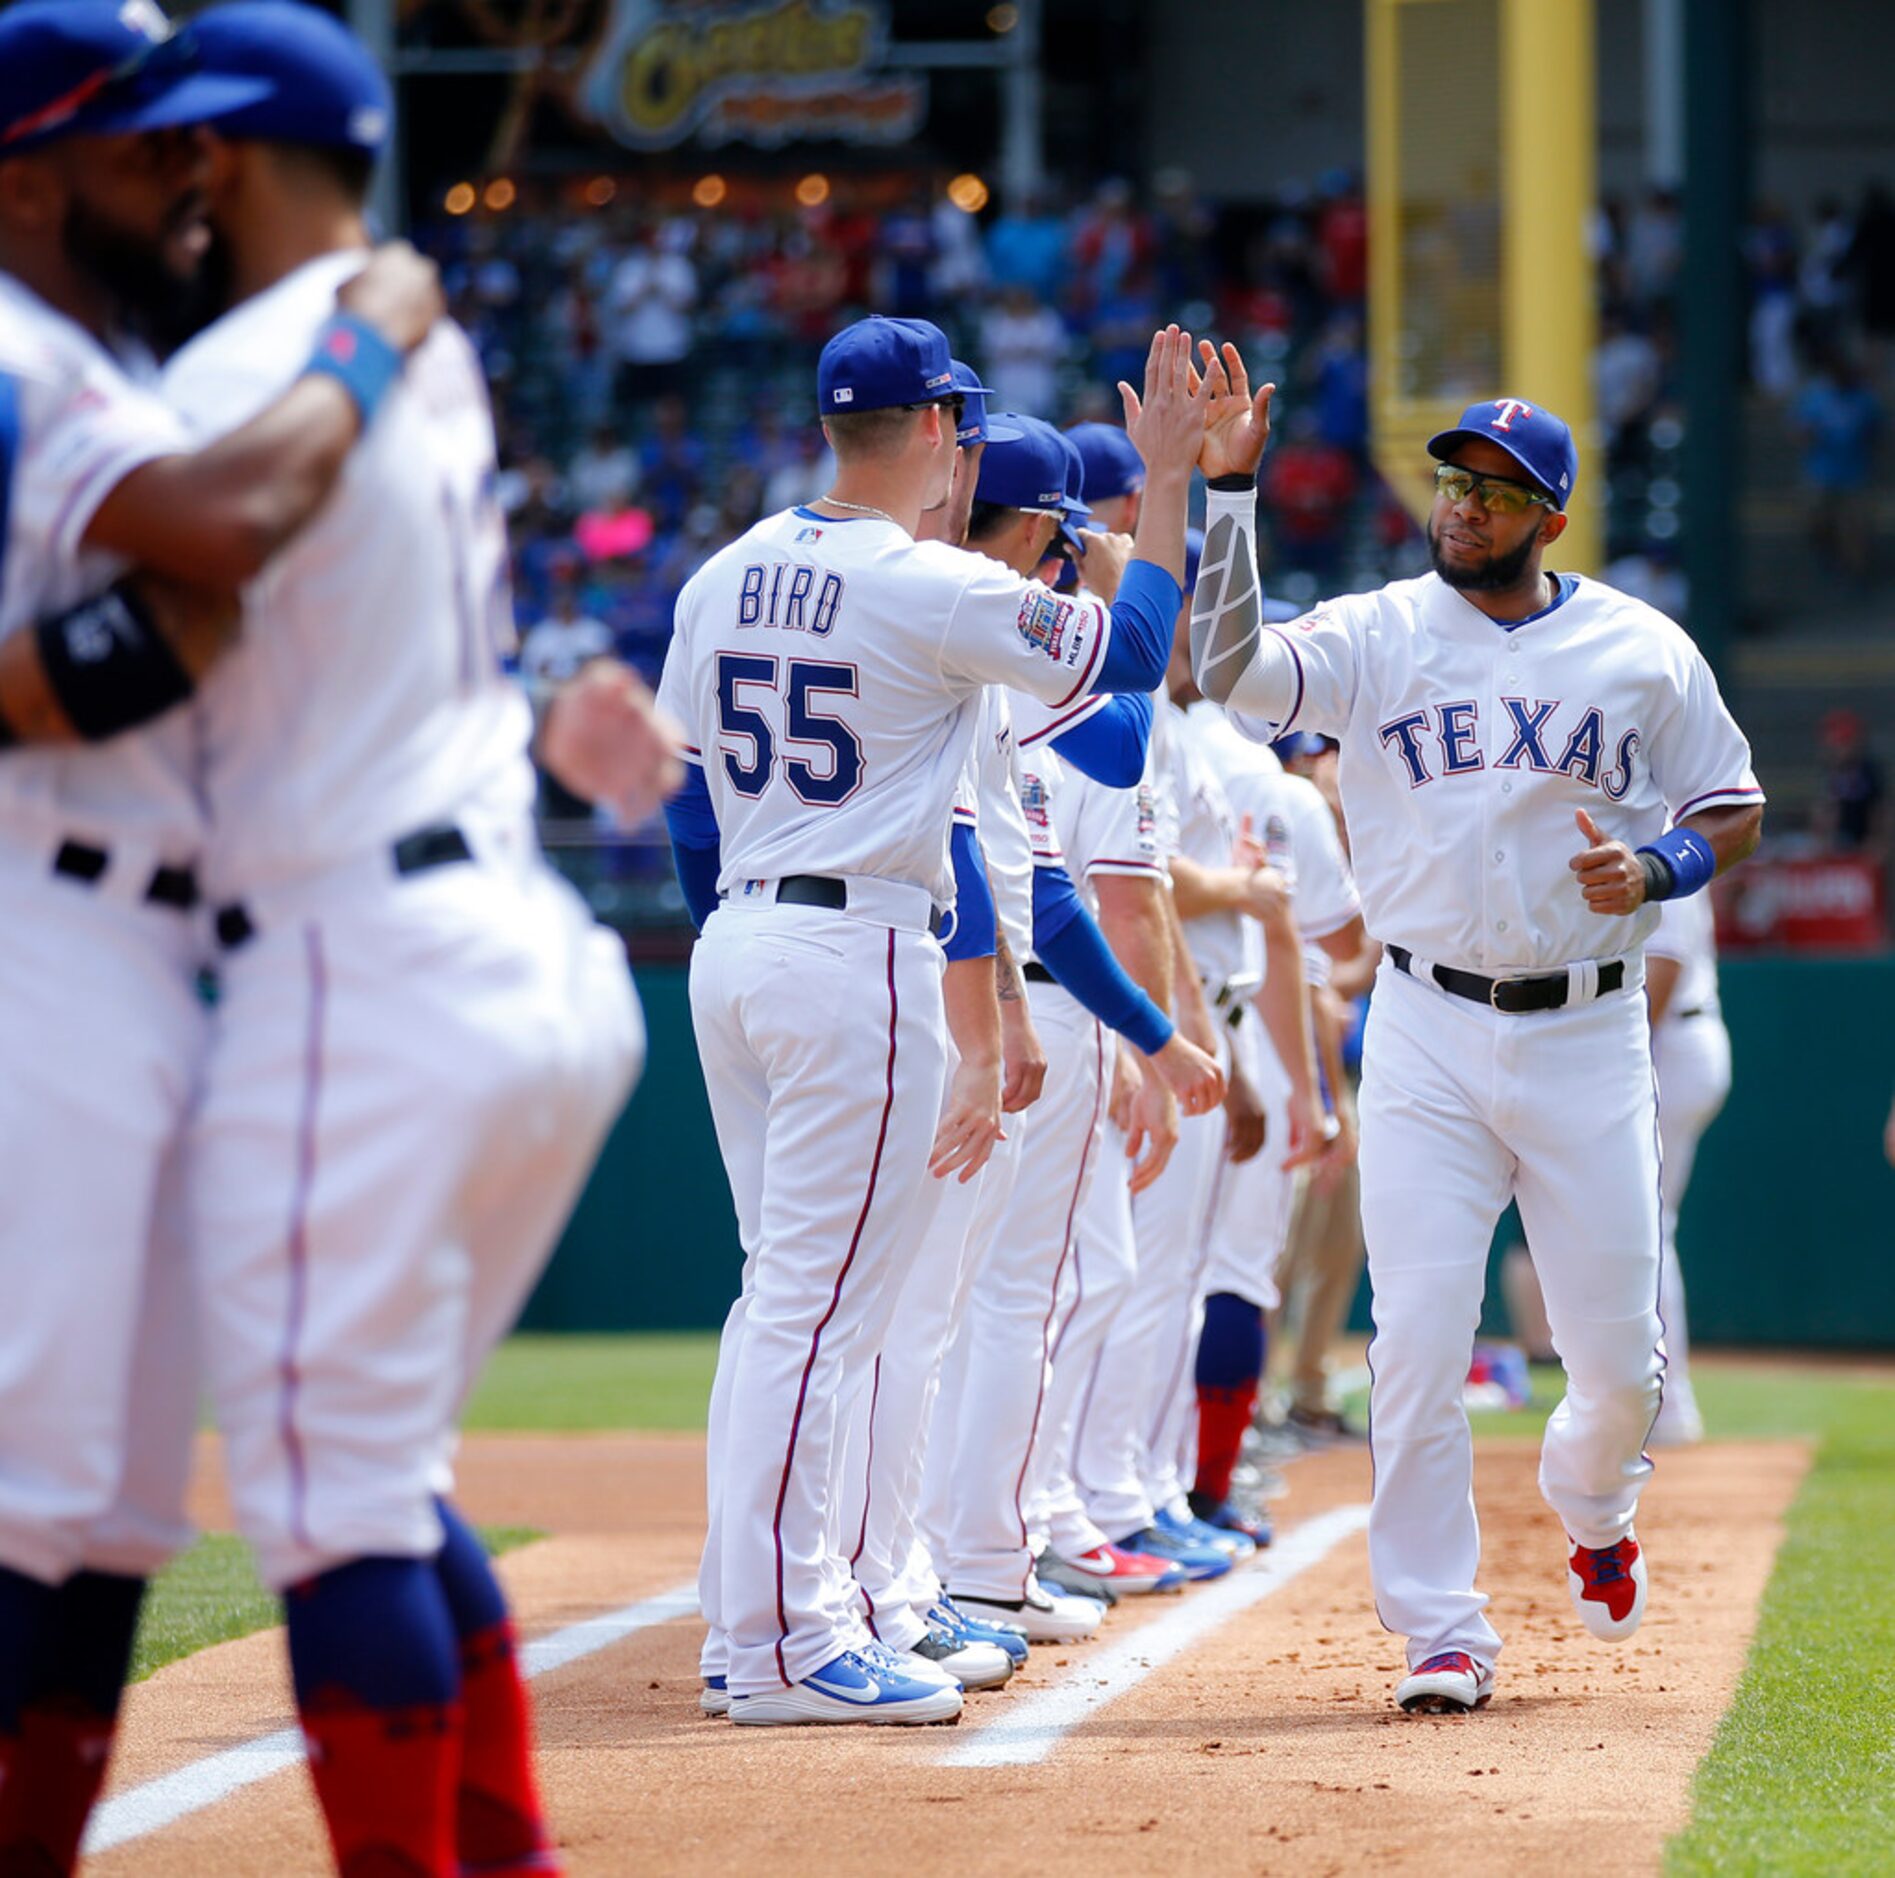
1147 799
1043 621
1033 800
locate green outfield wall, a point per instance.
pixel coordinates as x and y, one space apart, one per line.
1788 1236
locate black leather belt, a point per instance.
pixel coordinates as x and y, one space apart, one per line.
1515 996
1036 974
416 853
820 890
175 887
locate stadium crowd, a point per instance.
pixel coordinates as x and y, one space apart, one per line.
651 365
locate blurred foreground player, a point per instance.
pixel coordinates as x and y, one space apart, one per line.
421 1036
102 169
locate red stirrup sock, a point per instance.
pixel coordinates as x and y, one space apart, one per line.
500 1826
385 1781
1223 1415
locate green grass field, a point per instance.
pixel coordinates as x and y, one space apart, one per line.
1800 1778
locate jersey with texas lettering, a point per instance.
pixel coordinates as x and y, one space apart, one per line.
828 674
1468 747
366 698
72 427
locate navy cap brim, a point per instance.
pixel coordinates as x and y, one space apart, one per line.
197 98
1443 445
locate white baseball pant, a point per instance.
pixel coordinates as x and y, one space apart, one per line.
405 1091
103 1035
823 1040
1008 1329
898 1576
1692 1059
1119 1459
1462 1109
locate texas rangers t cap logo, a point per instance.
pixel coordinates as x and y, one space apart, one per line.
1507 409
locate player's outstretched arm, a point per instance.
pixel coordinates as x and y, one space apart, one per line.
970 1127
605 739
218 514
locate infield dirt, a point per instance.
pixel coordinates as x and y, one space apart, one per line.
1273 1746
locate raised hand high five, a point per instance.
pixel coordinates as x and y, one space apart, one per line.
1236 425
1167 424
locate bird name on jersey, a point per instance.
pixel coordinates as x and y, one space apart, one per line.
786 595
1445 740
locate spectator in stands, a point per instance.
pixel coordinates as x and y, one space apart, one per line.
1627 376
904 286
1111 243
672 464
808 470
604 474
1342 239
554 648
651 299
1654 247
1026 247
1022 343
1339 385
1849 811
1838 420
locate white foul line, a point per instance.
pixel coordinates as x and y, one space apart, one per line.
1033 1725
171 1797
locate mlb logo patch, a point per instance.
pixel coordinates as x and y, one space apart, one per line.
1042 621
808 534
842 395
1276 841
1147 801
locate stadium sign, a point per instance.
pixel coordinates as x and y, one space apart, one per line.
768 72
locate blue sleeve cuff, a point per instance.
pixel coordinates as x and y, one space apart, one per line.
1110 745
695 844
974 929
1068 942
1143 617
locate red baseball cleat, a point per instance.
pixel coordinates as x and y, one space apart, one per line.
1608 1587
1452 1683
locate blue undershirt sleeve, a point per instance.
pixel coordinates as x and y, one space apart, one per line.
1068 942
1110 745
973 934
695 844
1142 620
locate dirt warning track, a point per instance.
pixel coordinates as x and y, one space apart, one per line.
1253 1734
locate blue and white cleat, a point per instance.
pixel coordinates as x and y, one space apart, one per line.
1195 1531
945 1614
973 1664
850 1688
1199 1561
714 1697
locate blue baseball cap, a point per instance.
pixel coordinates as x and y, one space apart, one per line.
1077 508
976 425
99 68
1113 465
878 364
327 89
1027 470
1539 442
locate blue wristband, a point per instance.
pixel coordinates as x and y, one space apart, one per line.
359 357
1688 860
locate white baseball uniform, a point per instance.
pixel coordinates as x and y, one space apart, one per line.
1467 748
883 1485
1011 1399
827 675
1691 1056
1141 1413
98 1079
1250 1219
422 1036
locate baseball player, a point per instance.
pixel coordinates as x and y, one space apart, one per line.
1493 716
825 668
420 1037
1691 1056
1114 475
101 208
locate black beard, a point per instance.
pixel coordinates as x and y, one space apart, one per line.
1496 574
133 273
